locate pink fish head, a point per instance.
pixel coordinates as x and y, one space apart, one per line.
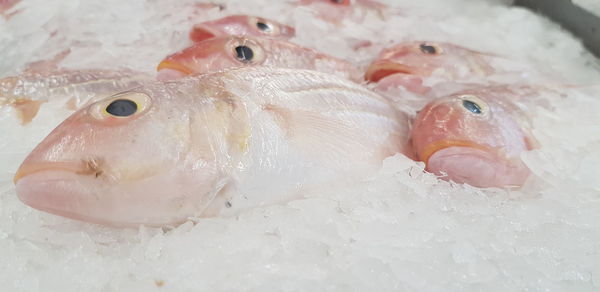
421 59
472 139
216 54
128 159
241 25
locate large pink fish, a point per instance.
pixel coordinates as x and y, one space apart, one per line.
209 145
476 136
228 52
28 91
241 25
409 64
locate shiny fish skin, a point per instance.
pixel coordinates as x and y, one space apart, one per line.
210 145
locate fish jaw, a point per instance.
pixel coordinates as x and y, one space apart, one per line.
477 166
88 198
382 69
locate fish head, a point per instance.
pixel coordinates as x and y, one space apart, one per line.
424 59
332 2
241 25
133 158
471 139
213 55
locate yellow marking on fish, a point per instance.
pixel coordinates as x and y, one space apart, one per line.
442 144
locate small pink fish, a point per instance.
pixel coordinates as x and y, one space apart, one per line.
409 64
476 136
337 10
228 52
242 25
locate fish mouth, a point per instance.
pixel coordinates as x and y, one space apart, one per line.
200 33
476 165
382 69
32 168
437 146
174 66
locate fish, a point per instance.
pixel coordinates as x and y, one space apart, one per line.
236 51
476 136
6 6
28 91
210 145
409 64
335 11
243 25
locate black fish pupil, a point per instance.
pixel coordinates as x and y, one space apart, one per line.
472 107
244 53
263 26
427 49
337 1
121 108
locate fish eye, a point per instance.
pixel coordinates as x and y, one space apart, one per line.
247 51
472 106
339 2
429 49
244 53
263 26
122 108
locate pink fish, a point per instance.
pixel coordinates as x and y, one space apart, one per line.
409 64
242 25
209 145
6 5
227 52
476 136
337 10
28 91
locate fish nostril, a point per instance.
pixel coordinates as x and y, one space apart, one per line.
92 166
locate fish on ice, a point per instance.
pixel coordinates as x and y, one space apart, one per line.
241 25
237 51
477 136
209 145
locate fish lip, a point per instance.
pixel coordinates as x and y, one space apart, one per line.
382 69
201 33
436 146
27 169
166 64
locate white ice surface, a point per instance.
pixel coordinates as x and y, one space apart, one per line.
399 230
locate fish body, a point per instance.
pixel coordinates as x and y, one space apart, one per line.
229 52
477 136
29 90
242 25
209 145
